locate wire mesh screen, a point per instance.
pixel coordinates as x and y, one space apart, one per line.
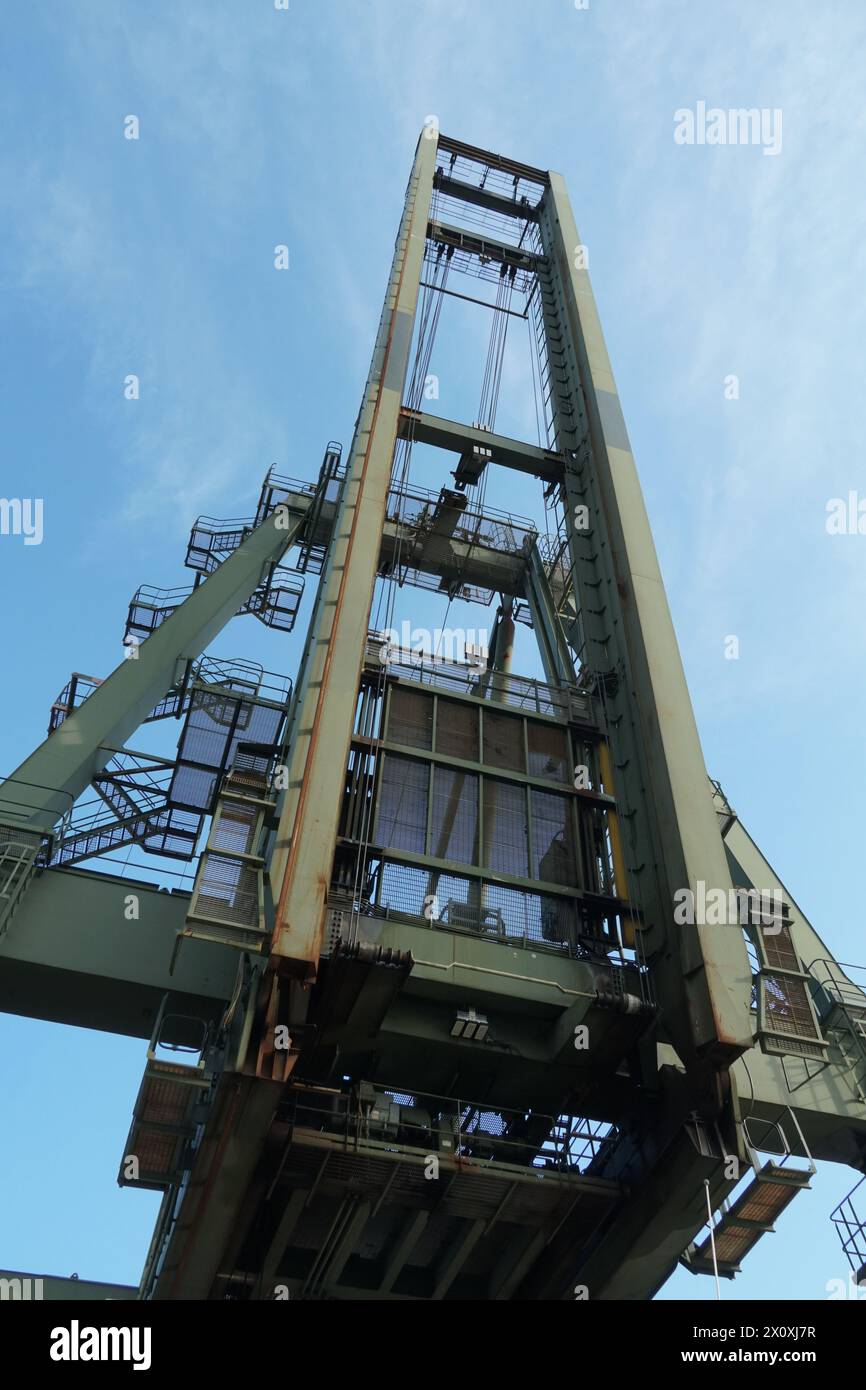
777 947
506 832
410 718
520 692
454 822
549 754
173 833
503 741
457 903
214 727
785 1011
234 827
226 891
457 730
401 814
553 856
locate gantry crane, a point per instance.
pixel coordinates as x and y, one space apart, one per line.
450 1035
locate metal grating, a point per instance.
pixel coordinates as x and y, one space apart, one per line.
401 813
410 718
553 855
217 722
156 1154
549 752
517 692
493 910
785 1016
454 817
234 828
226 892
503 741
457 730
751 1216
506 828
777 948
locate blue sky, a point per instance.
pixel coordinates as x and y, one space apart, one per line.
155 257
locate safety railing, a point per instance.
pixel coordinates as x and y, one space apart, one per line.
464 1129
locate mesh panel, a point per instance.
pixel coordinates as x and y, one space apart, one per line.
401 817
786 1007
778 948
454 827
226 891
461 904
234 827
173 833
549 754
457 730
155 1153
503 741
410 718
534 916
520 692
506 841
163 1101
214 727
193 786
552 838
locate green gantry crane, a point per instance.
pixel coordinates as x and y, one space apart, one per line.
484 991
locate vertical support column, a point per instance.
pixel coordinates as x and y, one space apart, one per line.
701 973
302 858
552 646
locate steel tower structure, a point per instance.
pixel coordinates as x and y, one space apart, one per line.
452 1035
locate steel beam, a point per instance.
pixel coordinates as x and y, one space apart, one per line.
292 1213
638 1250
546 464
240 1118
408 1238
72 955
300 867
701 972
555 653
493 161
491 248
484 198
826 1102
456 1256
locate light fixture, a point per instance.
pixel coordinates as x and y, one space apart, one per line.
469 1025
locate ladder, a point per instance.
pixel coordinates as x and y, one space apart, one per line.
753 1214
18 851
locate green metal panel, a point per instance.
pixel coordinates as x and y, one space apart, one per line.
72 955
703 978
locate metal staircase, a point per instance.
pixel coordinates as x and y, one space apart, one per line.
276 488
159 804
168 1106
753 1214
19 850
275 603
851 1227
